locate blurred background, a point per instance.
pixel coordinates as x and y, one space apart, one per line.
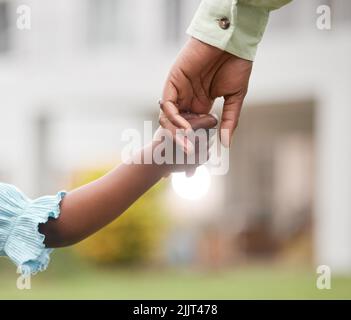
89 69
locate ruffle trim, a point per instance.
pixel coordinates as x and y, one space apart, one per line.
25 244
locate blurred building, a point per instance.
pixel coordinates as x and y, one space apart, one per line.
88 69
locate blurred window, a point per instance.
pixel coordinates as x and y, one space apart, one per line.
173 20
4 26
341 11
108 22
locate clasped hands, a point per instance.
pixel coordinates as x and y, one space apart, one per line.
200 74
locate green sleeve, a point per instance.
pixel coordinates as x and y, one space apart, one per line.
246 21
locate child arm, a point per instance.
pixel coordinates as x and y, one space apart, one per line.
89 208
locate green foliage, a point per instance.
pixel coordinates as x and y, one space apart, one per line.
134 237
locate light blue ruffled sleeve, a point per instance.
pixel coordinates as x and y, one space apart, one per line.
20 217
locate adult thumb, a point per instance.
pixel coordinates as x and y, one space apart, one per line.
230 118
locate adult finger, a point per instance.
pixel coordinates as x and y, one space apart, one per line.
230 117
175 134
169 106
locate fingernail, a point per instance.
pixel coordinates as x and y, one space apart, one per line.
214 116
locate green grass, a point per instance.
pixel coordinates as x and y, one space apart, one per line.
85 282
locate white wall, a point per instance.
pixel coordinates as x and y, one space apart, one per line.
297 69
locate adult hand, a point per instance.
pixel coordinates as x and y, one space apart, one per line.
200 74
201 152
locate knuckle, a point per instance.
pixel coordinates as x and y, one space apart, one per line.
241 93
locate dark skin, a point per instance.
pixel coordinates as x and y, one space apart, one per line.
200 74
91 207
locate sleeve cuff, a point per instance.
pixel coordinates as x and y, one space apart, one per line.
19 220
247 25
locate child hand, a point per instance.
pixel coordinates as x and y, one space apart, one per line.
194 154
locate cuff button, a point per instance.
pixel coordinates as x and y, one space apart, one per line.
224 23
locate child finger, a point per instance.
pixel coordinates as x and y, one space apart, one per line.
175 134
203 122
172 113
